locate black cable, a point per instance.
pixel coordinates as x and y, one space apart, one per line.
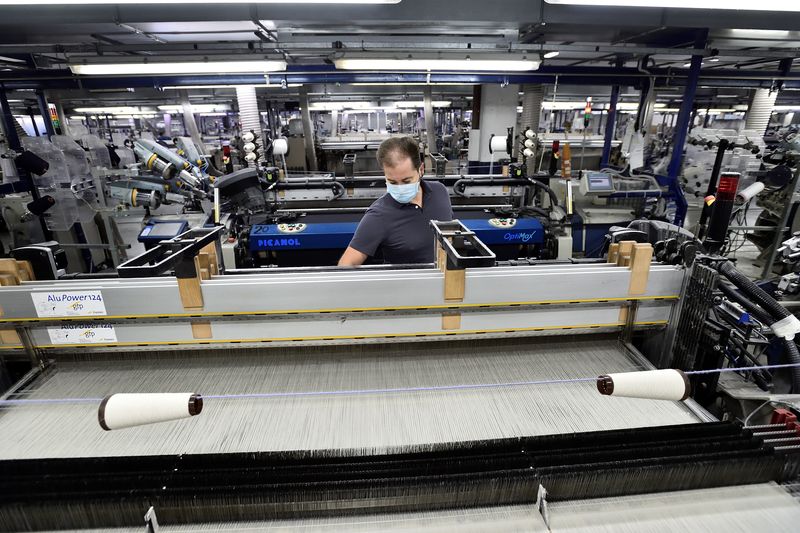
735 296
775 310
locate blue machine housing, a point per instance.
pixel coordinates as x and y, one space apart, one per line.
337 235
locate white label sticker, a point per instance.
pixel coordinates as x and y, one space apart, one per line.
73 303
82 334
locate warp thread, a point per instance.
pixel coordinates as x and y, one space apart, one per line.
353 392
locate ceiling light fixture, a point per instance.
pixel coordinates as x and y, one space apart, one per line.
257 86
746 5
194 67
412 83
119 110
550 55
339 106
162 2
498 65
196 108
420 103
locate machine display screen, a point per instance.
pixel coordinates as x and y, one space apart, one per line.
168 229
599 183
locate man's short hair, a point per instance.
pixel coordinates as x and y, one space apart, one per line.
394 149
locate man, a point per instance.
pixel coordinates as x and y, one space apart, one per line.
398 223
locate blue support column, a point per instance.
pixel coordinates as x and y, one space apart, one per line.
611 119
44 109
685 114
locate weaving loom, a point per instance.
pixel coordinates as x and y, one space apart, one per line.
463 396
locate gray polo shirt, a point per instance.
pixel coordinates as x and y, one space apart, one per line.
402 231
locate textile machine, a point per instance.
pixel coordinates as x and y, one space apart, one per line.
309 221
461 394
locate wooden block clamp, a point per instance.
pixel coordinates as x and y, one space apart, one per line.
639 259
13 272
613 253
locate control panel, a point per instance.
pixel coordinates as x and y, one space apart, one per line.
291 228
503 222
595 183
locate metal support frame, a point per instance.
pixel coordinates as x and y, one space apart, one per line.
610 126
685 113
430 128
44 109
791 199
9 123
12 138
308 130
722 147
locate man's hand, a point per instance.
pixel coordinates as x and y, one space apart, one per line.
352 257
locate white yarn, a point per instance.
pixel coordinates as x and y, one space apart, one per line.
128 410
280 147
667 384
498 144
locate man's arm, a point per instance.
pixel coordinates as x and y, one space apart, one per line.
352 257
365 241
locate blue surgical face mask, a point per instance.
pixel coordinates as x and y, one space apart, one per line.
403 193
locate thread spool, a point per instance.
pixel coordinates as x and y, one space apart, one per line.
667 384
529 143
248 137
530 134
497 144
119 411
250 157
527 152
249 147
280 147
749 192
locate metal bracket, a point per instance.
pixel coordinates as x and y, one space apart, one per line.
349 162
439 165
151 521
461 247
541 505
457 248
177 253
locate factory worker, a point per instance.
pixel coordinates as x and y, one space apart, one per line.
398 223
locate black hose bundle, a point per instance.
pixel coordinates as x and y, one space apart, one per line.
774 311
735 296
547 189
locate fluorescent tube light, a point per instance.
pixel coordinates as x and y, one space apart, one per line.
162 2
550 106
500 65
120 110
413 83
747 5
786 107
196 108
196 67
339 106
550 55
714 111
420 103
257 86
